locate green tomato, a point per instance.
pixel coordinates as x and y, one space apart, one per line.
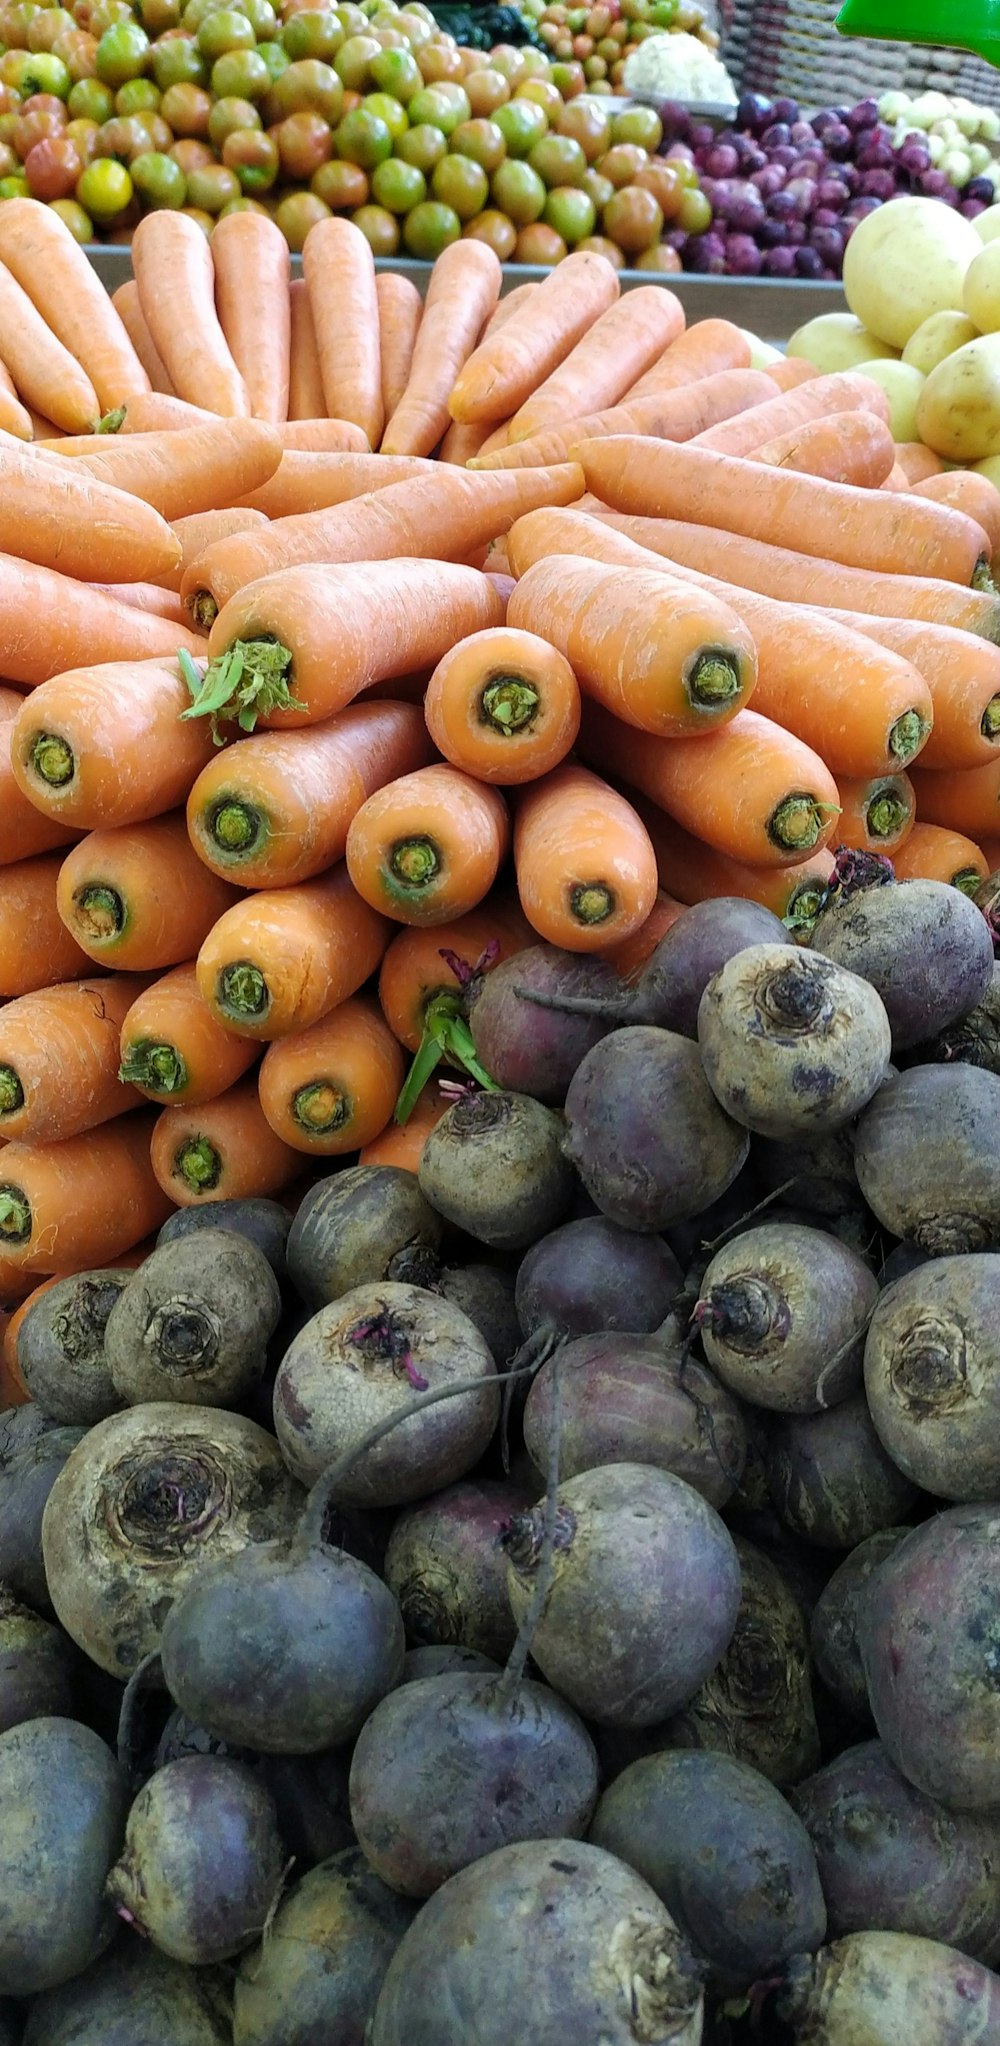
227 30
363 139
240 74
89 100
638 124
389 110
430 228
434 106
518 191
45 73
261 16
104 189
122 53
571 212
139 96
398 72
423 146
158 180
275 57
462 184
178 62
14 188
398 186
522 124
313 32
558 160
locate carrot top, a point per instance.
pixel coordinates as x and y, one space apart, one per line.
245 683
446 1032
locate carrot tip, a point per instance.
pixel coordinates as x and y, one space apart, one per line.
714 680
909 733
414 862
886 814
112 422
805 905
102 913
236 828
156 1068
509 704
15 1216
968 879
52 759
592 902
11 1091
989 723
796 823
321 1107
246 682
982 577
243 991
198 1164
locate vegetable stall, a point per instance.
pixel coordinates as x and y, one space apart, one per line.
499 1087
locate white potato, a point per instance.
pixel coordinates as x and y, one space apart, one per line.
937 337
905 262
761 352
902 385
959 410
835 341
987 223
982 289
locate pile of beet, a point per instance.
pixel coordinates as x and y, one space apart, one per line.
553 1598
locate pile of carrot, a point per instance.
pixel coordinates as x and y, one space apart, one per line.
353 642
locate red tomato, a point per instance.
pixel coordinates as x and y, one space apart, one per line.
539 244
304 142
52 168
32 128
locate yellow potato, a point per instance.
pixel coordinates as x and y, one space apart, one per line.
982 289
761 352
959 410
989 468
835 341
937 337
902 385
987 223
905 262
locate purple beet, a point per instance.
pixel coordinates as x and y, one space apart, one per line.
314 1978
532 1049
593 1275
446 1567
830 1478
883 1988
202 1862
645 1131
922 944
836 1619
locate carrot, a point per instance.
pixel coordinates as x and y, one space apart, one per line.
586 871
606 362
671 414
173 267
199 530
463 290
750 789
149 597
155 414
333 1087
305 377
692 871
966 492
846 447
79 1204
791 371
831 520
876 812
24 830
967 801
402 1145
58 516
779 571
279 960
442 515
14 417
137 897
295 648
425 973
106 745
505 369
223 1150
962 674
198 469
820 398
896 480
276 810
460 443
36 949
339 268
630 955
932 854
917 462
307 481
503 705
661 656
400 308
59 1059
251 296
428 847
700 351
38 250
990 848
126 304
172 1048
42 429
49 622
45 374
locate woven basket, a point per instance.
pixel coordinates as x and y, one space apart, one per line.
792 46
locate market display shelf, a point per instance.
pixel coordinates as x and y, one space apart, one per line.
770 307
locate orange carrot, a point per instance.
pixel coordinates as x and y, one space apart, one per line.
305 377
311 481
629 957
425 973
897 479
49 622
791 371
460 443
44 373
428 847
138 897
223 1150
917 462
126 304
14 417
198 469
295 648
663 657
586 871
503 705
58 516
692 871
38 250
701 351
820 398
607 361
339 268
250 254
858 528
81 1203
846 447
24 830
966 492
36 949
400 308
107 745
276 809
511 363
59 1059
963 676
279 960
990 848
173 1049
42 429
333 1087
173 267
675 413
440 516
876 812
201 529
464 288
750 790
152 598
931 854
155 414
967 802
402 1144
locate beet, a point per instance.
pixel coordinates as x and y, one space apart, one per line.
494 1165
446 1567
446 1660
311 1802
360 1359
193 1323
142 1503
678 970
60 1348
890 1857
202 1862
932 1374
486 1294
25 1484
264 1223
350 1228
645 1595
783 1314
831 1479
836 1619
529 1049
818 1176
792 1044
615 1969
20 1429
134 1996
37 1666
315 1977
930 1644
591 1275
727 1856
922 944
64 1801
888 1989
926 1151
975 1039
645 1132
449 1767
631 1399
